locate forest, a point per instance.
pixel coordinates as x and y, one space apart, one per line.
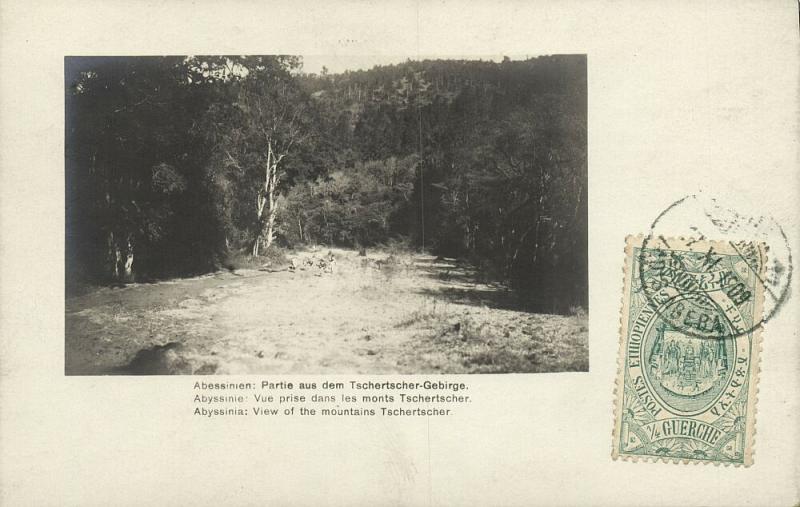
178 166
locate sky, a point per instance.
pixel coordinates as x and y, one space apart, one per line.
340 63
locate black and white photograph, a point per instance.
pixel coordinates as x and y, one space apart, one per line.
287 214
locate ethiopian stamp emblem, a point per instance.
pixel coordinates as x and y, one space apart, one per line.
688 360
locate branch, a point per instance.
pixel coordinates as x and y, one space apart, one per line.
233 161
127 106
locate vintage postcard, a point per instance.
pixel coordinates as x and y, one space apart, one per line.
688 361
294 253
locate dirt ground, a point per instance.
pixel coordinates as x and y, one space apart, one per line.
383 313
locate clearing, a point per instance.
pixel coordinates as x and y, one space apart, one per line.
383 313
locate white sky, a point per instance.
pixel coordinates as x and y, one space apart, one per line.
340 63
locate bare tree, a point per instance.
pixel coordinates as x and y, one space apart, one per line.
268 123
277 121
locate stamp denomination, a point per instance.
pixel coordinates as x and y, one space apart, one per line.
690 340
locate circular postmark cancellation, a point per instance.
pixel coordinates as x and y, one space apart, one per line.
708 271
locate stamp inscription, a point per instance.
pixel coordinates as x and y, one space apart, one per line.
689 350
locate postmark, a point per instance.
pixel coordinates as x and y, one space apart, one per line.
690 341
705 275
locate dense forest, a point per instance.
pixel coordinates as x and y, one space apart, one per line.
175 165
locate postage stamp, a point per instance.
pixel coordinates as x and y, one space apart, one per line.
689 344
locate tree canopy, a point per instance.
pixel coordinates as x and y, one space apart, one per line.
172 163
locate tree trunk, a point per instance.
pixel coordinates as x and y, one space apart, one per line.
265 196
520 243
129 260
114 256
120 256
271 184
269 233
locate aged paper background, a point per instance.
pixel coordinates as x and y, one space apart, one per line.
683 97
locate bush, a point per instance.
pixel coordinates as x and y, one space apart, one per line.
242 259
357 206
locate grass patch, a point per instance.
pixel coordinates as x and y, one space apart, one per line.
430 314
480 341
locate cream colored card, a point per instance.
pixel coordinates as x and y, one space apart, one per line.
685 101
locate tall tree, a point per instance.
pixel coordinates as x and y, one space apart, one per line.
131 167
267 122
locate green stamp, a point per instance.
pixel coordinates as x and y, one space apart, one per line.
689 345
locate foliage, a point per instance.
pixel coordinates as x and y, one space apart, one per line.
132 173
169 157
356 206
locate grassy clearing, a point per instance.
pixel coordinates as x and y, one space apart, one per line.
454 339
388 311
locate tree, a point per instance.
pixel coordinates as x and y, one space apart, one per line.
132 170
267 121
